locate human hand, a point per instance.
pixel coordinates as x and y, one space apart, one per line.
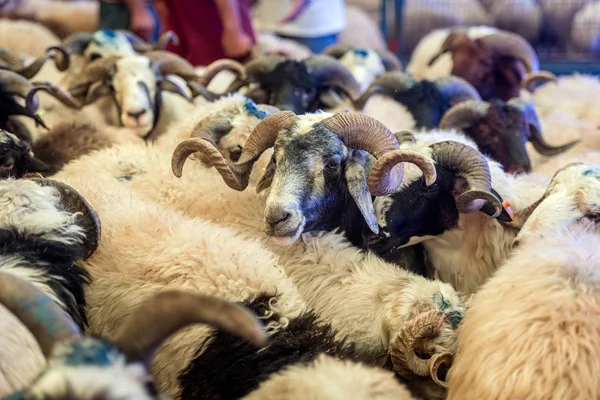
142 24
236 43
298 7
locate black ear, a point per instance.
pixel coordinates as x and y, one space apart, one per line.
489 209
265 180
356 179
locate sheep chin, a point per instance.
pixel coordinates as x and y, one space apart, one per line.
284 241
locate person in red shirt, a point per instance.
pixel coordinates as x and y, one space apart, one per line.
210 30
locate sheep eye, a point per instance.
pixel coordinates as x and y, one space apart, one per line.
333 163
8 164
95 56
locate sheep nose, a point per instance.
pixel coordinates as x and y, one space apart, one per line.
277 215
136 114
235 152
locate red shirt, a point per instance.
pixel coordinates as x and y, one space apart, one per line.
199 27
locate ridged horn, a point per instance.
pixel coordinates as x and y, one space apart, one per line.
438 361
333 73
381 180
456 89
469 164
535 129
165 39
172 64
167 312
223 65
465 114
46 321
236 175
15 83
211 129
534 78
97 70
425 326
57 92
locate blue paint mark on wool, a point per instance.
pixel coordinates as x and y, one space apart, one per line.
361 52
15 396
253 111
109 33
86 351
591 172
42 308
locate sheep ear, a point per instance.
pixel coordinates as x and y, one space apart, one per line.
267 177
356 179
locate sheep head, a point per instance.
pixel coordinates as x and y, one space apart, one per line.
495 64
570 202
82 367
426 101
455 179
135 84
319 163
16 158
297 86
502 130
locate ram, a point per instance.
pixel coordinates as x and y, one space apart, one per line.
425 101
117 369
495 62
46 229
539 303
502 130
298 86
197 254
364 64
445 202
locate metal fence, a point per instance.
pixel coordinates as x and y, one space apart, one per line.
565 33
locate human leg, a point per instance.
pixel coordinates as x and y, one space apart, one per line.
113 16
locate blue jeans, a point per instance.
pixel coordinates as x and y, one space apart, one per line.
117 16
316 45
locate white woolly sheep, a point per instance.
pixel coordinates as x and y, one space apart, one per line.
26 37
241 270
543 340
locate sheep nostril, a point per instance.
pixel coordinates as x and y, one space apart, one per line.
136 114
278 215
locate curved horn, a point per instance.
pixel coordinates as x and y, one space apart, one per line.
172 64
138 44
465 114
97 70
390 61
532 79
456 89
263 65
74 202
15 83
469 164
12 61
535 129
510 44
61 57
77 42
57 92
381 181
236 175
221 65
199 89
437 361
33 68
48 323
388 84
165 39
211 129
332 72
166 313
361 132
337 50
425 326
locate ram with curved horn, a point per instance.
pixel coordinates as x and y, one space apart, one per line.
502 130
297 86
364 64
317 175
122 361
496 62
461 215
426 101
135 85
30 68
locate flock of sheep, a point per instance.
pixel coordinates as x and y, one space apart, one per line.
324 227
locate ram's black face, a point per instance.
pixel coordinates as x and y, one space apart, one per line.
425 102
16 159
417 210
290 87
